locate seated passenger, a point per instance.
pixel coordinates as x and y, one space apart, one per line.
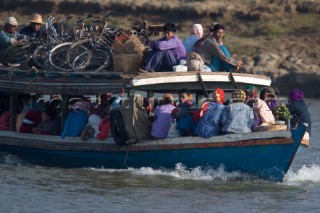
215 54
31 120
210 116
104 128
5 113
137 123
299 110
217 96
34 30
9 36
195 35
237 117
45 126
75 121
55 106
183 113
162 116
263 116
92 129
268 95
166 52
95 119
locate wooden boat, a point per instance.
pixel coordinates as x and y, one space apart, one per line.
264 154
267 155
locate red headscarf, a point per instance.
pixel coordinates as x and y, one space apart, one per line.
221 93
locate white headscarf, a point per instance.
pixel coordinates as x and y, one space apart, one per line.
197 29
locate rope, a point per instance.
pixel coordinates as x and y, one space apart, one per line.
125 159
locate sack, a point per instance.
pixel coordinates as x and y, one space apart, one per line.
117 126
194 62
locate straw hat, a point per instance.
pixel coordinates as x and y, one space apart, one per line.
36 18
12 21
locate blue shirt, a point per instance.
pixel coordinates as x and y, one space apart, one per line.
74 123
189 42
6 39
28 31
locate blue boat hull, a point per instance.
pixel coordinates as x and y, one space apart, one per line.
270 161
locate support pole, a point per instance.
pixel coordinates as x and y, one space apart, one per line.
13 111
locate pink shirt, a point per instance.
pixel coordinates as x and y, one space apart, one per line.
261 110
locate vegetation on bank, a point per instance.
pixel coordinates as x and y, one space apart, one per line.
249 23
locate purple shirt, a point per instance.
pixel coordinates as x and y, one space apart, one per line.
174 43
162 123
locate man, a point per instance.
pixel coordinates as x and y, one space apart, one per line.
215 54
34 30
166 52
9 36
237 117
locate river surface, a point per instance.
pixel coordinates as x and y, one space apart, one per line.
31 188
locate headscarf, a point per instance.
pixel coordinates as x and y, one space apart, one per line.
252 92
266 90
238 95
221 93
197 29
296 95
80 105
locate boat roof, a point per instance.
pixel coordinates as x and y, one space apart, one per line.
69 83
176 80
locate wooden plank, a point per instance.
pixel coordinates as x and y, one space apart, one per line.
107 147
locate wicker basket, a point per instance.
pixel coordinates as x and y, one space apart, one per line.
127 62
278 127
125 43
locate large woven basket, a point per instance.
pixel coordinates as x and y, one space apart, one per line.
127 62
126 43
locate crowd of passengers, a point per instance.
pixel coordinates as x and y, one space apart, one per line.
247 111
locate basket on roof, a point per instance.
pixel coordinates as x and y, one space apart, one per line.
127 43
129 62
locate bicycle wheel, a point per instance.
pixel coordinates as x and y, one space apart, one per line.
17 55
76 49
92 61
41 55
57 57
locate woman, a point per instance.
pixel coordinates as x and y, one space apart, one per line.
162 115
195 35
210 116
215 54
268 95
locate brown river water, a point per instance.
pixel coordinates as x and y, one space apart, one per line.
30 188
